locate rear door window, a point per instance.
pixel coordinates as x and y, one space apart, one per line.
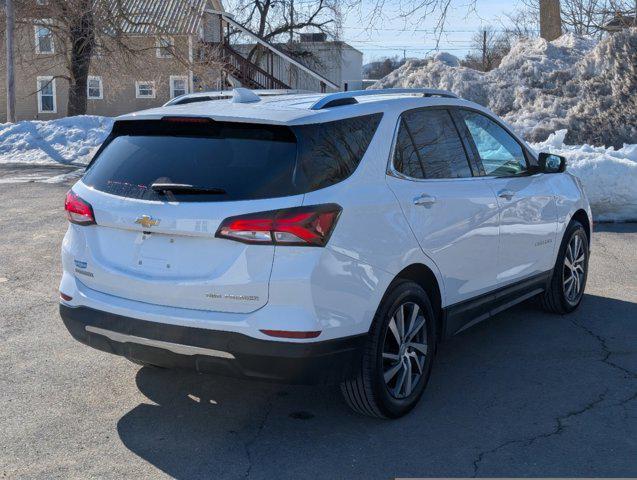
429 146
228 161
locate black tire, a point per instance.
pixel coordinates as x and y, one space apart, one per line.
368 393
556 298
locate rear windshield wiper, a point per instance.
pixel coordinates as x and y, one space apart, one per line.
185 188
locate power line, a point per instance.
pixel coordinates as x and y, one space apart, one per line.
424 49
436 32
373 42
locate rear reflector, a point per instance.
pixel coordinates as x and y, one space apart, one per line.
303 226
78 211
65 297
289 334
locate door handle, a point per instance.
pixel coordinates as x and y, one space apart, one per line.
508 194
424 200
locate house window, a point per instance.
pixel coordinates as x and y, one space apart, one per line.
42 2
94 88
178 86
46 95
165 47
145 89
43 38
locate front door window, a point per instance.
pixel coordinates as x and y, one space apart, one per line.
500 153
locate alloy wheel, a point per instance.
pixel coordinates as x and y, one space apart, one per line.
574 269
405 350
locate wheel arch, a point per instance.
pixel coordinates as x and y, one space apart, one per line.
422 275
582 217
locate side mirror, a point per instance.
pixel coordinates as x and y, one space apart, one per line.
551 163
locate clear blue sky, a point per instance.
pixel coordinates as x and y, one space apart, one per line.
393 36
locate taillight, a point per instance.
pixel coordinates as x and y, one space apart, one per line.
309 226
78 211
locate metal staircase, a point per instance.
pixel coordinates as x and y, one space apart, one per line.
248 73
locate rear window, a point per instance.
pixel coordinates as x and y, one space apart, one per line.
234 161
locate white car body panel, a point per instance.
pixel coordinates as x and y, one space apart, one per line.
459 231
179 264
528 226
471 240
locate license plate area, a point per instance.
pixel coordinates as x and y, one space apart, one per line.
156 252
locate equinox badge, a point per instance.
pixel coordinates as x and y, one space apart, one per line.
147 222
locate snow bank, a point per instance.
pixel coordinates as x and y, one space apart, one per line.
609 175
69 140
573 83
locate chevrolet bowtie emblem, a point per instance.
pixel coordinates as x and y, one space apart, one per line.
147 222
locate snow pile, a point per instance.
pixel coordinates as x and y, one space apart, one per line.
609 175
70 140
573 83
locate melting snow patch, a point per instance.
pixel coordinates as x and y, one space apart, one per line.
64 141
609 175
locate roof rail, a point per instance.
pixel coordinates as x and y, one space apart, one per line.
349 98
198 97
206 96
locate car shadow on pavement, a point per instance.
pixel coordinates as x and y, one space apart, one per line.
502 387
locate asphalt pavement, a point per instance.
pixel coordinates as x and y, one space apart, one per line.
523 394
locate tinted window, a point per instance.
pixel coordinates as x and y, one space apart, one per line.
500 153
406 159
244 161
437 148
330 152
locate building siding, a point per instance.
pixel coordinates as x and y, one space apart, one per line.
118 72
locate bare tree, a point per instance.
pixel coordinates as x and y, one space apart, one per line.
273 20
84 31
584 17
550 19
277 19
382 68
519 24
10 80
488 47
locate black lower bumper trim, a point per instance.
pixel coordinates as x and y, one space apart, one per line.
324 362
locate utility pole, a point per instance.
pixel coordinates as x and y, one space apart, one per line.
484 50
550 19
291 20
10 15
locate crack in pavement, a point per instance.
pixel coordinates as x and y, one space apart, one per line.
248 445
628 400
558 430
560 425
606 351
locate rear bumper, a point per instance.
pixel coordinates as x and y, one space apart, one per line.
211 351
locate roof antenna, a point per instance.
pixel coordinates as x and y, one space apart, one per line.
244 95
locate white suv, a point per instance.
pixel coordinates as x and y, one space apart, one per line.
316 238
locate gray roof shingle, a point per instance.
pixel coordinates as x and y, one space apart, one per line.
147 17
